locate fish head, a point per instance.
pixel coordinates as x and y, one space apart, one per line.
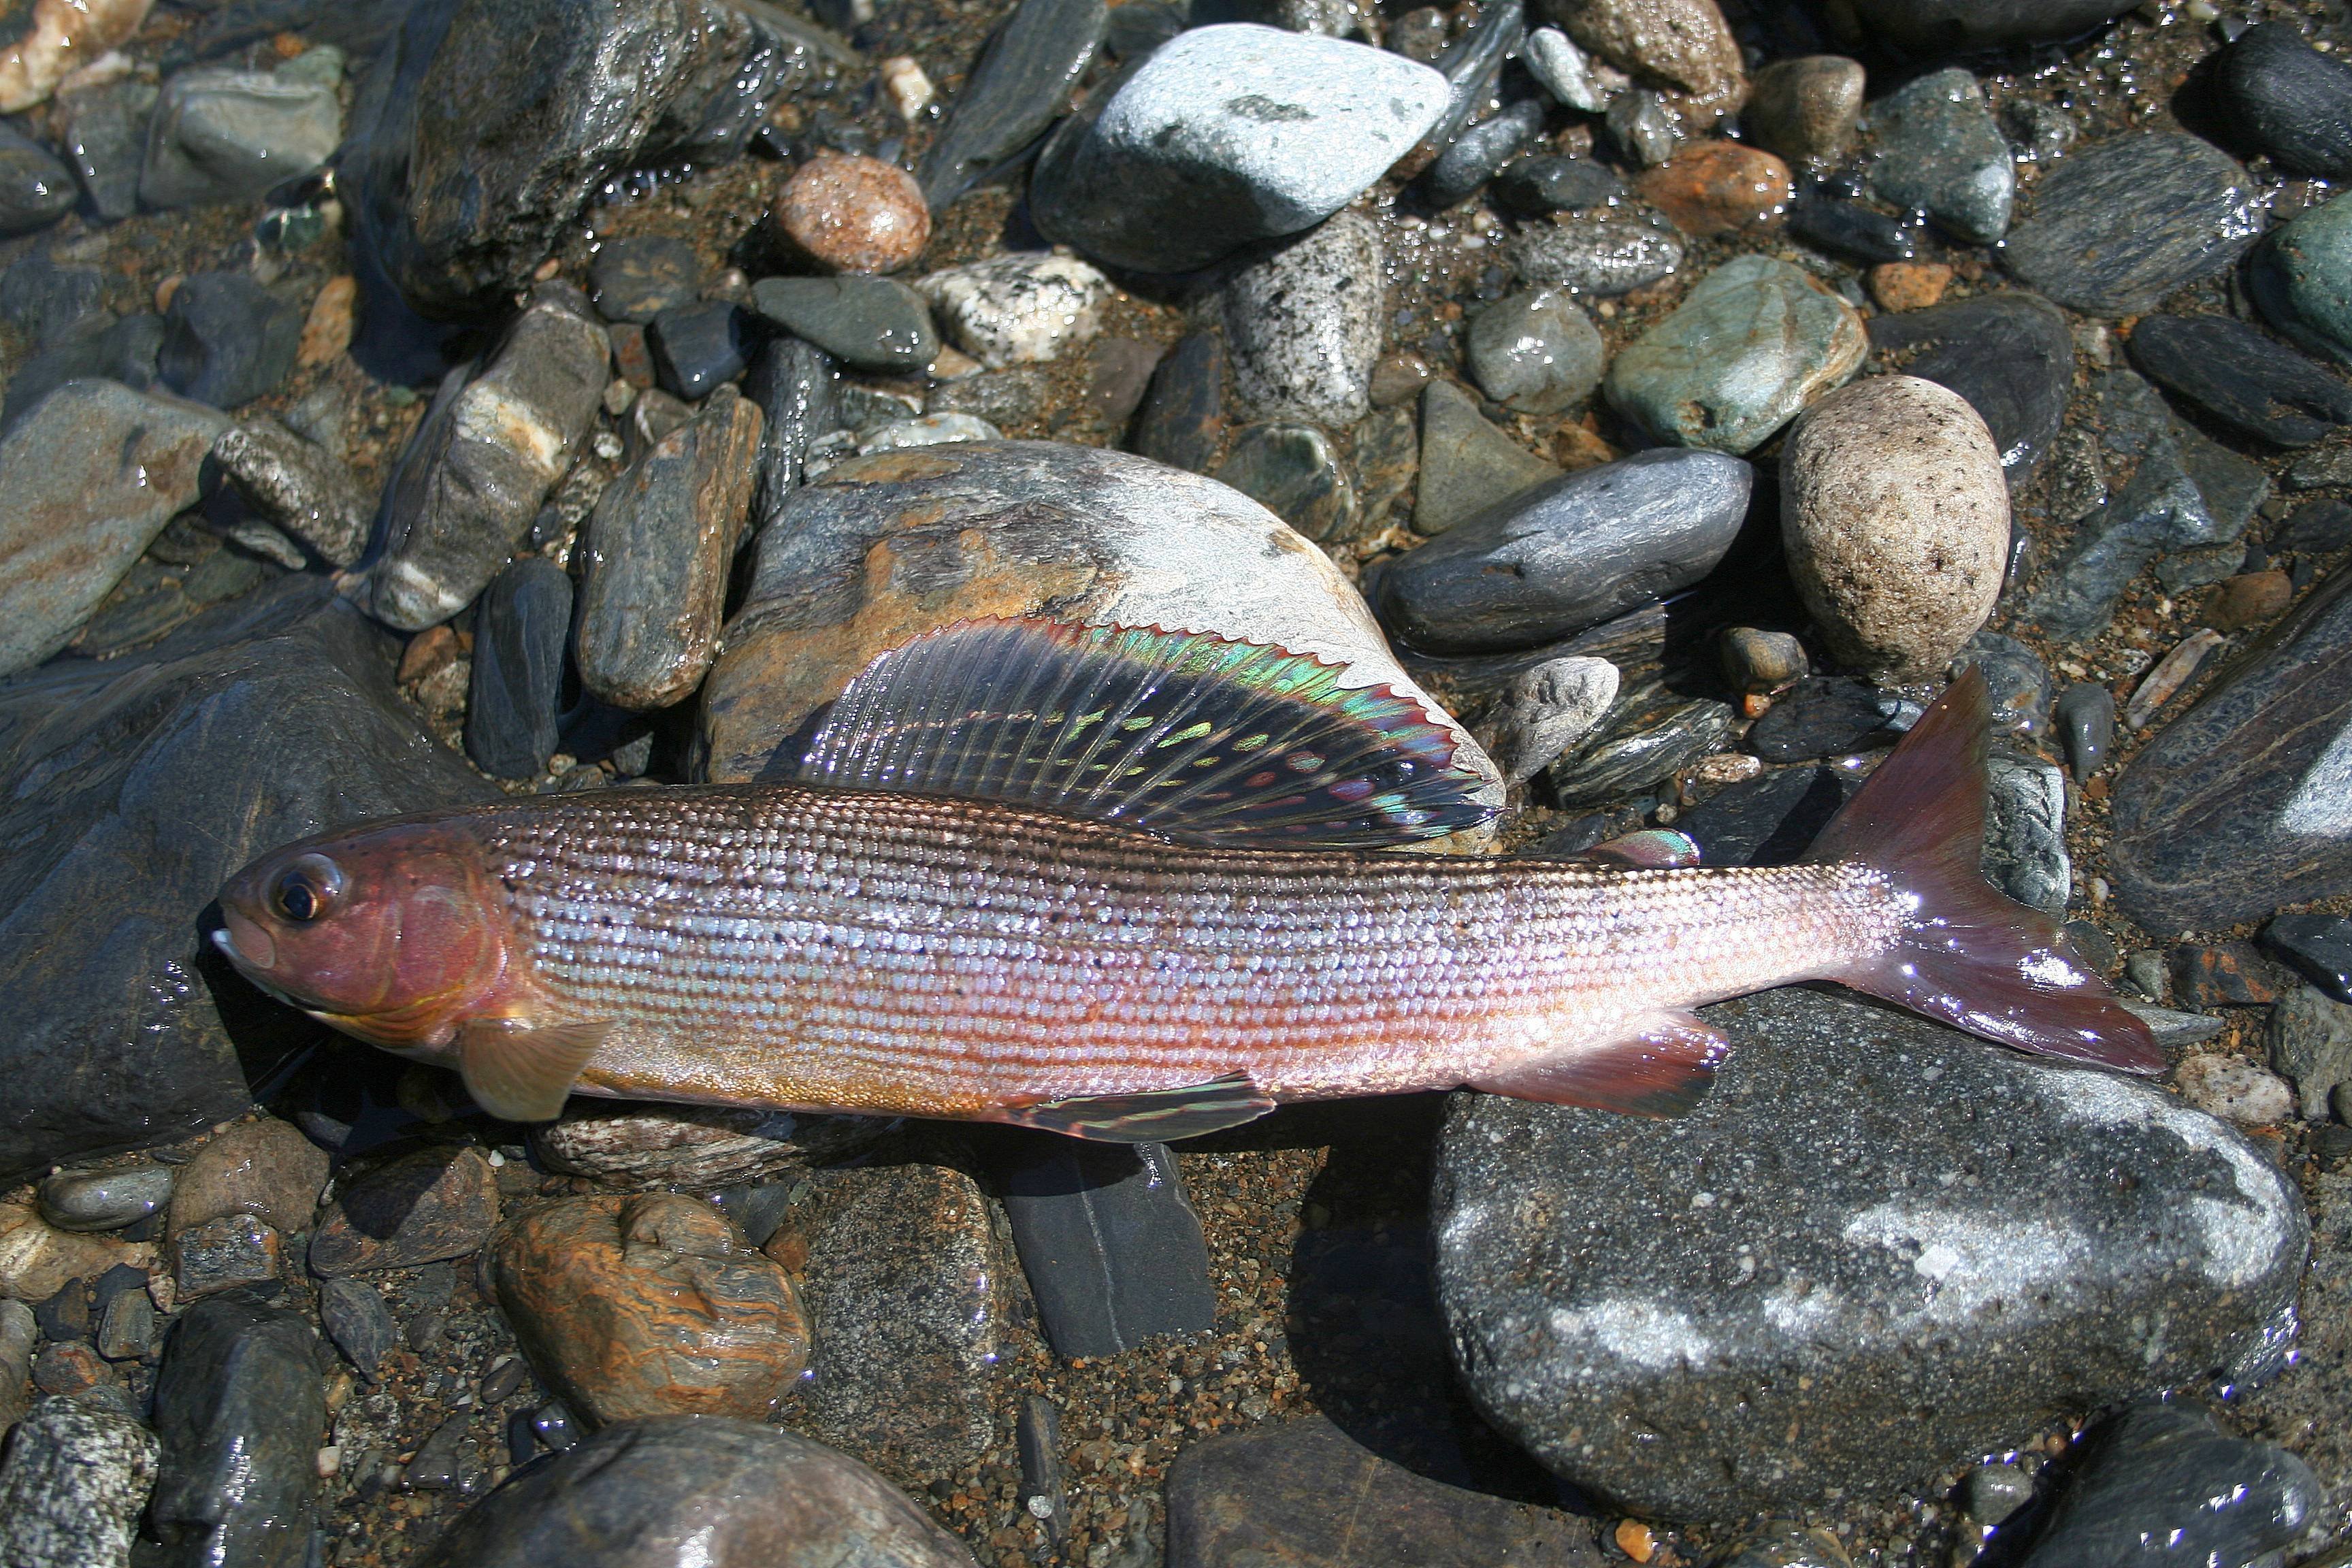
395 933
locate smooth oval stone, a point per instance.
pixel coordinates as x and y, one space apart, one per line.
1851 229
2009 354
1548 183
1229 134
1603 257
1567 1328
1805 108
1303 326
647 1305
1719 188
869 323
1894 513
1751 344
2302 279
2121 224
520 634
1295 473
241 1412
882 547
1017 87
1467 464
1023 309
2167 1472
2086 724
655 557
221 135
696 347
2289 99
2244 803
696 1491
1466 165
1829 716
105 1199
1623 761
2242 377
1535 352
1757 662
1642 128
1569 554
263 1167
1939 150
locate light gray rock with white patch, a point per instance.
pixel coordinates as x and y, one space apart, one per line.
1303 326
1017 310
224 136
484 458
1877 1247
2025 830
1229 134
1546 709
2311 1042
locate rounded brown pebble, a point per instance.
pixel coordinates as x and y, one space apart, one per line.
2242 601
1909 285
650 1305
1805 108
1894 510
264 1168
855 215
1718 187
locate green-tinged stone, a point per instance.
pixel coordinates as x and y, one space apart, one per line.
1939 151
1293 471
1466 464
2302 279
1754 342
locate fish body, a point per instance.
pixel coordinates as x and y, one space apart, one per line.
819 948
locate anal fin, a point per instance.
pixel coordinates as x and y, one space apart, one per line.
520 1074
1662 1069
1154 1116
1652 849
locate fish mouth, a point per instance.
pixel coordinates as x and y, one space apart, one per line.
246 944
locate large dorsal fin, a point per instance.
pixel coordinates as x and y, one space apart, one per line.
1188 735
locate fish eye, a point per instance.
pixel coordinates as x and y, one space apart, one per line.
308 888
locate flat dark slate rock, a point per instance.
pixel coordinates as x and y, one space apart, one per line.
1829 716
1305 1494
1549 182
124 1023
1859 1184
2244 803
2317 526
2160 1472
869 323
2319 946
2289 99
1570 554
2009 354
226 340
1770 819
2123 222
2242 377
1111 1244
1935 27
1016 90
1851 229
637 278
523 624
696 347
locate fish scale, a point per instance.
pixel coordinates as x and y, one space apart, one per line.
938 956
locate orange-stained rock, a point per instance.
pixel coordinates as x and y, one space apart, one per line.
647 1305
1718 187
2242 601
1909 285
327 330
855 215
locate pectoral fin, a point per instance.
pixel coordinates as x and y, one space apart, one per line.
1155 1116
520 1074
1662 1069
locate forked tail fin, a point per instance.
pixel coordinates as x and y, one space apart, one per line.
1970 955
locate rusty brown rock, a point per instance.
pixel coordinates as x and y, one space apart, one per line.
1680 44
419 1209
2242 601
1717 188
264 1168
327 329
1806 108
854 215
649 1305
1909 285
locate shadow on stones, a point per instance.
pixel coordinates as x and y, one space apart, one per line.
1364 1329
271 1039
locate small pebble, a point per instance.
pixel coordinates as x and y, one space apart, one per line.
1719 188
2086 724
2234 1091
1909 285
855 213
2172 672
2242 601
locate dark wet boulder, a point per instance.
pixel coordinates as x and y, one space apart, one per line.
240 1408
135 787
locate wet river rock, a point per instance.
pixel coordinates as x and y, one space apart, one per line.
647 1305
418 1207
667 1491
634 1144
884 547
270 719
240 1412
2244 803
1706 1317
